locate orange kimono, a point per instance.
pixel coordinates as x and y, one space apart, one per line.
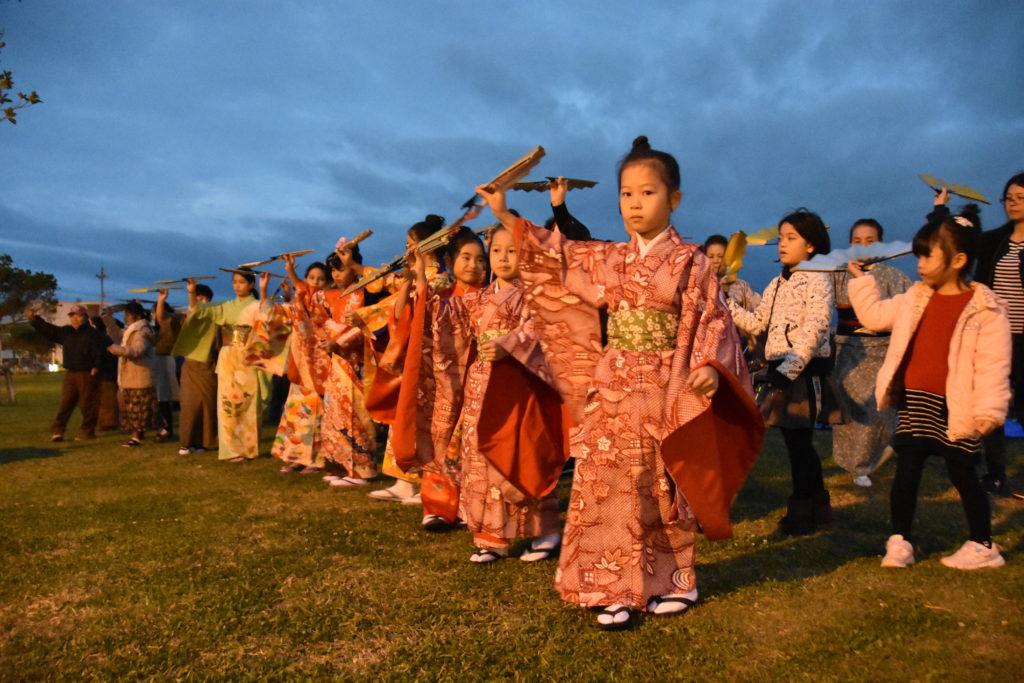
426 430
348 434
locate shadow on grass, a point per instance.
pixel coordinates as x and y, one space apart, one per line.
8 455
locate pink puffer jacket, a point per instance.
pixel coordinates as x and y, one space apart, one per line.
978 383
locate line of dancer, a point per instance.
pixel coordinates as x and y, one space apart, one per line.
497 363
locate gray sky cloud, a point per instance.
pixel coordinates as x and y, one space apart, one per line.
189 135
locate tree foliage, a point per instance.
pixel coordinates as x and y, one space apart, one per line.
23 338
20 287
9 106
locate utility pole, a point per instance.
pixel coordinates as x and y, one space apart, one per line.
102 276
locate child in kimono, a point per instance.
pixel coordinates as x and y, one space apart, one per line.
668 429
428 429
348 435
297 443
384 392
513 446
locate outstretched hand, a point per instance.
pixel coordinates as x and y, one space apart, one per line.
941 197
495 198
704 380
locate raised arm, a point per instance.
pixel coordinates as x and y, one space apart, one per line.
161 312
754 322
289 268
873 312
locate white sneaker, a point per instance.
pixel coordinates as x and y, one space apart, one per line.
973 555
898 552
862 480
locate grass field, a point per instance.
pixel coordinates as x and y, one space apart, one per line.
121 563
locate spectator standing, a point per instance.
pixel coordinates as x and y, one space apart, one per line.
82 353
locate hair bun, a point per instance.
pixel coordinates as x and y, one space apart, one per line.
641 142
433 219
972 212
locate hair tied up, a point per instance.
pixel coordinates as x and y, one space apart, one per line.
641 143
433 219
963 221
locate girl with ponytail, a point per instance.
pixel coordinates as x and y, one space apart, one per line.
947 371
671 376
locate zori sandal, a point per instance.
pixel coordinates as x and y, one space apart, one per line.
615 618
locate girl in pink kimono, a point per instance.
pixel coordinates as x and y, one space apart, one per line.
427 430
668 428
513 445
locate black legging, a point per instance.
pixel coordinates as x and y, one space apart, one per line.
903 498
995 442
165 416
804 463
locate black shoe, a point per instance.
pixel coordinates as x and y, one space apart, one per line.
799 518
822 509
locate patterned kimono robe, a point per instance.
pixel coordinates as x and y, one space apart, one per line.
513 442
347 431
298 437
240 387
427 431
382 397
654 460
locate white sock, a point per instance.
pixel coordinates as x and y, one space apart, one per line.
402 488
673 607
549 542
621 617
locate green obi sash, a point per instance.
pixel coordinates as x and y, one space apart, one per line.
642 330
490 334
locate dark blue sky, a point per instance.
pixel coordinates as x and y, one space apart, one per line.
179 136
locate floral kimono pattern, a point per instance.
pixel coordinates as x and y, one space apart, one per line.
297 440
298 434
494 508
348 435
652 456
240 386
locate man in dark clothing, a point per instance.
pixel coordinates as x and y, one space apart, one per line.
82 355
107 400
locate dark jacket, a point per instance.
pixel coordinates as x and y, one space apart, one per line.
82 347
568 225
992 246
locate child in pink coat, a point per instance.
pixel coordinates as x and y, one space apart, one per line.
947 371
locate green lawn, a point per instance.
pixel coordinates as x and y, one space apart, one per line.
122 563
